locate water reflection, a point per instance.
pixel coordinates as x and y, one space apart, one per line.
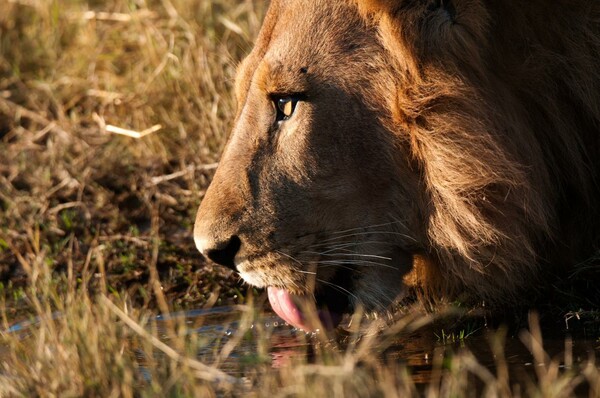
419 351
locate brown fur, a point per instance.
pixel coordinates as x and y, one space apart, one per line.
457 142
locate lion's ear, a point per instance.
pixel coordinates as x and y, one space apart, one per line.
376 6
441 30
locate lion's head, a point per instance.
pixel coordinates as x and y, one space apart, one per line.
383 145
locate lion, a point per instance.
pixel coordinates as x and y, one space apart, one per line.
385 149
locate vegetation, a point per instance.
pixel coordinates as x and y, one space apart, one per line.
91 202
112 116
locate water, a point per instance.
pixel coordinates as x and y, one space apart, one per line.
249 336
418 350
216 327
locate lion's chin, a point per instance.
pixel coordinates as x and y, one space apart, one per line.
301 311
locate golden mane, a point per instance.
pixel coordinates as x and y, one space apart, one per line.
503 109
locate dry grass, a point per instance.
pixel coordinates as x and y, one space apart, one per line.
70 188
101 346
112 115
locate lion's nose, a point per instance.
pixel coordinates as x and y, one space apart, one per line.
223 253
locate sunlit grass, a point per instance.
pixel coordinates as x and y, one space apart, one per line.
80 344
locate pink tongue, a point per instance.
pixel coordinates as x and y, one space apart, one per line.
291 307
283 304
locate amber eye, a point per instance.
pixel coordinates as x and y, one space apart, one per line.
285 107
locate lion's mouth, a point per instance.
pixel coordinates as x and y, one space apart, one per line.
309 312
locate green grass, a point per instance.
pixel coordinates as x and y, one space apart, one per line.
95 227
449 337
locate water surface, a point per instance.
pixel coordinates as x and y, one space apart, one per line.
417 350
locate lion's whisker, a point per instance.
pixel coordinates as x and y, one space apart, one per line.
283 282
347 267
360 255
332 249
366 227
290 257
306 272
369 233
349 244
330 253
338 287
344 253
297 261
339 250
332 263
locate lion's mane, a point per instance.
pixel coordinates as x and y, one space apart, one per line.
502 105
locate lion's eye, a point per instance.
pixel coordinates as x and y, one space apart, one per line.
285 107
